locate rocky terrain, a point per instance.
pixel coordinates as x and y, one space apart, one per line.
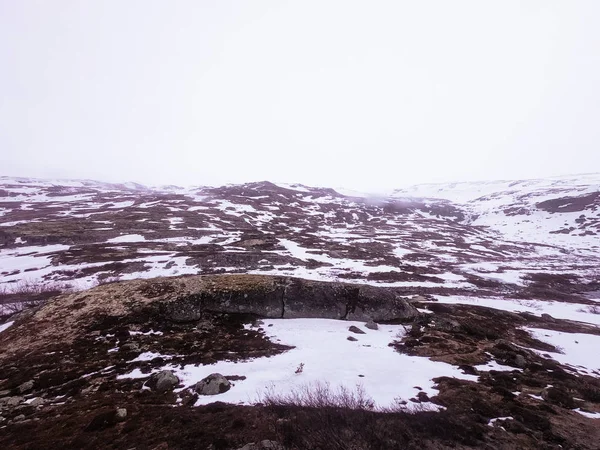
439 316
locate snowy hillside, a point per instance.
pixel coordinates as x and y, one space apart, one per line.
561 211
83 232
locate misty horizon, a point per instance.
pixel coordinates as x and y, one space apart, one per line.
336 94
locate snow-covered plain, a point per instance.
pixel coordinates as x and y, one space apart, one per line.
321 345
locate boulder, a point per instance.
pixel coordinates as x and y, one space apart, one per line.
213 384
356 330
558 396
163 381
520 361
132 347
372 325
25 387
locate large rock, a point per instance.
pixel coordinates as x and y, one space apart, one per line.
213 384
277 297
371 325
356 330
163 381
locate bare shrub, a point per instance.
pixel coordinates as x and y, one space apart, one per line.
593 309
320 395
316 416
25 294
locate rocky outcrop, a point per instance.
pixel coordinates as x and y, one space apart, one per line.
194 298
290 298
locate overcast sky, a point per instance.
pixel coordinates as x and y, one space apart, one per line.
361 94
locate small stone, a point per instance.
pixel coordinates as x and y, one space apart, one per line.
162 381
5 393
121 414
356 330
19 418
372 325
213 384
520 361
25 387
130 347
352 338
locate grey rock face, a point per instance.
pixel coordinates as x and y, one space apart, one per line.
213 384
290 298
163 381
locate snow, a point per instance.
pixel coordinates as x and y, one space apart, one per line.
5 326
321 345
149 333
591 415
493 365
120 205
149 356
493 421
559 310
578 350
127 238
400 252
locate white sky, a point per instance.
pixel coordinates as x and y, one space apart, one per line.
361 94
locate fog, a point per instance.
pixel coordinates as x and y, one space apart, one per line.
364 95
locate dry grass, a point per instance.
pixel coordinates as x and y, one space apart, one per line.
316 416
